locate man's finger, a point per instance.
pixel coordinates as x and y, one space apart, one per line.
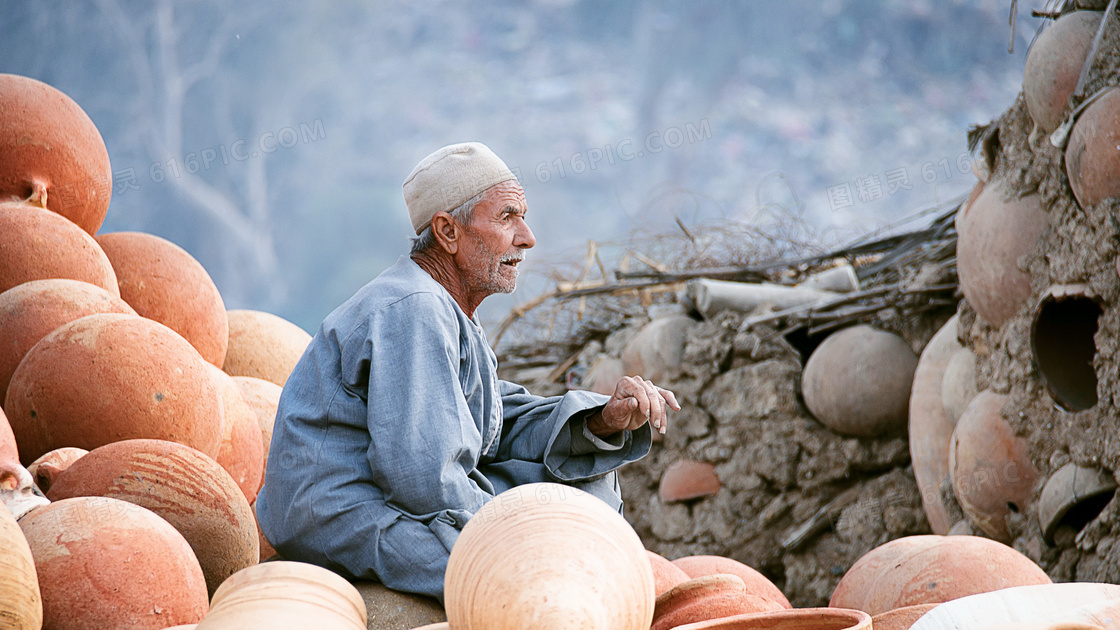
657 406
643 400
670 398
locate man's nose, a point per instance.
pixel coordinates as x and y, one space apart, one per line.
524 237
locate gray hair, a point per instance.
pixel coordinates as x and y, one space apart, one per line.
462 215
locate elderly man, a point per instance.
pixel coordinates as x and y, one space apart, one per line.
393 429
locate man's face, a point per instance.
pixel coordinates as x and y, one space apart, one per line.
496 239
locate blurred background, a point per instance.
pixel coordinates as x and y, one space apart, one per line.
271 139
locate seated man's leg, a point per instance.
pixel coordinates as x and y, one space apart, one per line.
605 487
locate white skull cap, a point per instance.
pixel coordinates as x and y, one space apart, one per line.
449 177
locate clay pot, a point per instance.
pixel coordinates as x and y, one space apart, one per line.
990 467
704 598
263 398
797 619
390 610
37 244
165 283
657 351
286 595
858 381
266 547
186 488
17 488
1021 606
603 375
855 586
106 378
992 236
1092 163
242 449
21 607
52 153
901 618
686 479
758 584
666 575
1054 64
34 309
958 386
504 572
50 466
263 346
1073 497
940 570
105 563
1063 344
931 430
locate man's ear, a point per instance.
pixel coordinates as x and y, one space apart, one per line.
446 232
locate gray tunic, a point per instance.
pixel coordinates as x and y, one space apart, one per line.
394 429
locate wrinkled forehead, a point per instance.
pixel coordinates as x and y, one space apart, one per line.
505 195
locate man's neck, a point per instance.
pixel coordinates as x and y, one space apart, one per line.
441 267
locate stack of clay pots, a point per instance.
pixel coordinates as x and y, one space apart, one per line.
127 391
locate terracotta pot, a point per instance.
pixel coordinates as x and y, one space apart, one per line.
757 583
391 610
1016 607
242 449
52 153
21 607
37 244
657 351
686 479
189 626
104 563
107 378
855 587
165 283
1054 64
263 398
604 374
263 346
796 619
1063 344
958 387
17 488
186 488
708 597
1091 161
858 381
1073 497
666 575
992 237
504 572
990 466
931 430
954 567
901 618
34 309
286 595
47 468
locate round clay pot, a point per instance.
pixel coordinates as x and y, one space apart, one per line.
931 430
1054 64
33 310
858 381
1063 344
286 595
186 488
757 583
1092 163
855 587
21 607
992 237
47 468
686 479
656 352
795 619
990 466
105 378
242 449
390 610
263 345
504 572
17 487
901 618
1073 496
104 563
37 244
1022 606
708 597
52 153
165 283
266 547
263 397
958 387
604 374
666 575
